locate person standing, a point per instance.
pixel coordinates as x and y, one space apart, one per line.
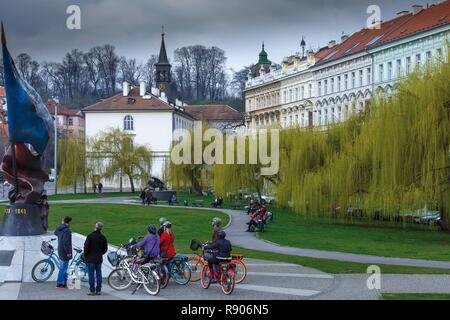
95 247
64 250
166 241
100 187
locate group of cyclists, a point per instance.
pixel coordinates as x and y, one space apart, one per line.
160 243
259 216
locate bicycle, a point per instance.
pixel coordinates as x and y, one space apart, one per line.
179 269
43 269
196 263
225 276
132 269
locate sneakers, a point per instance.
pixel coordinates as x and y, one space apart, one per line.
61 286
98 293
91 293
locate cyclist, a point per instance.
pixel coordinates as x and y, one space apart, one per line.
216 225
150 244
166 243
220 249
161 225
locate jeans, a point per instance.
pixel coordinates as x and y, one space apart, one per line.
62 274
97 269
212 261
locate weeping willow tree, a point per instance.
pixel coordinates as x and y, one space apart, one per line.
189 173
244 169
114 154
71 155
387 162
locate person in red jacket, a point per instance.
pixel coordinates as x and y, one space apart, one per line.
166 241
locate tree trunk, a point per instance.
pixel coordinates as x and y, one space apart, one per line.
131 183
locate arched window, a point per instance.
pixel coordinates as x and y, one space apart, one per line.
128 123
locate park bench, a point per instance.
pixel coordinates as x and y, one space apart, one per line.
197 203
237 205
173 202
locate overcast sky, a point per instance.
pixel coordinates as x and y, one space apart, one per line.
38 27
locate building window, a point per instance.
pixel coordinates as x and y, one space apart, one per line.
310 90
339 84
70 122
319 89
408 65
296 94
439 54
353 80
302 117
291 97
380 74
399 68
319 120
369 76
389 70
303 92
332 85
325 87
428 57
128 123
296 119
346 81
418 57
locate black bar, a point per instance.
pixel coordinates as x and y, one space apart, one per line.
14 167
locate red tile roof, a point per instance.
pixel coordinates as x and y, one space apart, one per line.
214 112
361 39
435 16
62 110
119 102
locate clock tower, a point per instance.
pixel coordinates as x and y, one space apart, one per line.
163 75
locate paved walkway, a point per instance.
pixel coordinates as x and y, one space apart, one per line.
237 235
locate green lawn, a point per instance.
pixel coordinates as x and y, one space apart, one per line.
125 221
415 296
380 239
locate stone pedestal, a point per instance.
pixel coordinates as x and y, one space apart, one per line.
21 219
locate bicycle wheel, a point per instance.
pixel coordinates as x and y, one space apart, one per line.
120 279
228 281
196 265
241 270
181 273
42 270
164 277
206 277
151 283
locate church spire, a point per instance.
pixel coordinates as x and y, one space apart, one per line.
162 52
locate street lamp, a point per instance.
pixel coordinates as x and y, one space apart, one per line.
56 150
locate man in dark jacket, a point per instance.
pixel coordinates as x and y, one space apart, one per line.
221 248
95 247
64 250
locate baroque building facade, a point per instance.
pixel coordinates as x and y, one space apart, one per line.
331 84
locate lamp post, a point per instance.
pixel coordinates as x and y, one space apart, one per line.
56 149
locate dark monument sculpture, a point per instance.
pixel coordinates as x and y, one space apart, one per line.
29 127
160 191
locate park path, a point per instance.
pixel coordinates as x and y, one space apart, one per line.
239 237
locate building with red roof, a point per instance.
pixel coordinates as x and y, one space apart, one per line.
70 121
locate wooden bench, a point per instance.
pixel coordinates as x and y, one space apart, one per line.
197 203
237 205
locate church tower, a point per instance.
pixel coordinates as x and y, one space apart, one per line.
163 75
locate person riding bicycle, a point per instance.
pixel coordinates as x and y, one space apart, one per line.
150 244
161 225
216 225
220 248
166 241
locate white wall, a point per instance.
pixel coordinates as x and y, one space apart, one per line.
153 129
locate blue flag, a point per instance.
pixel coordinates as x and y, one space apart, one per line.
28 118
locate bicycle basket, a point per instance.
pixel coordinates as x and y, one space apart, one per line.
195 245
47 248
112 258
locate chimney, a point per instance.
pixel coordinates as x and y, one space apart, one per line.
155 92
344 37
331 44
310 56
402 13
142 89
416 8
126 89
